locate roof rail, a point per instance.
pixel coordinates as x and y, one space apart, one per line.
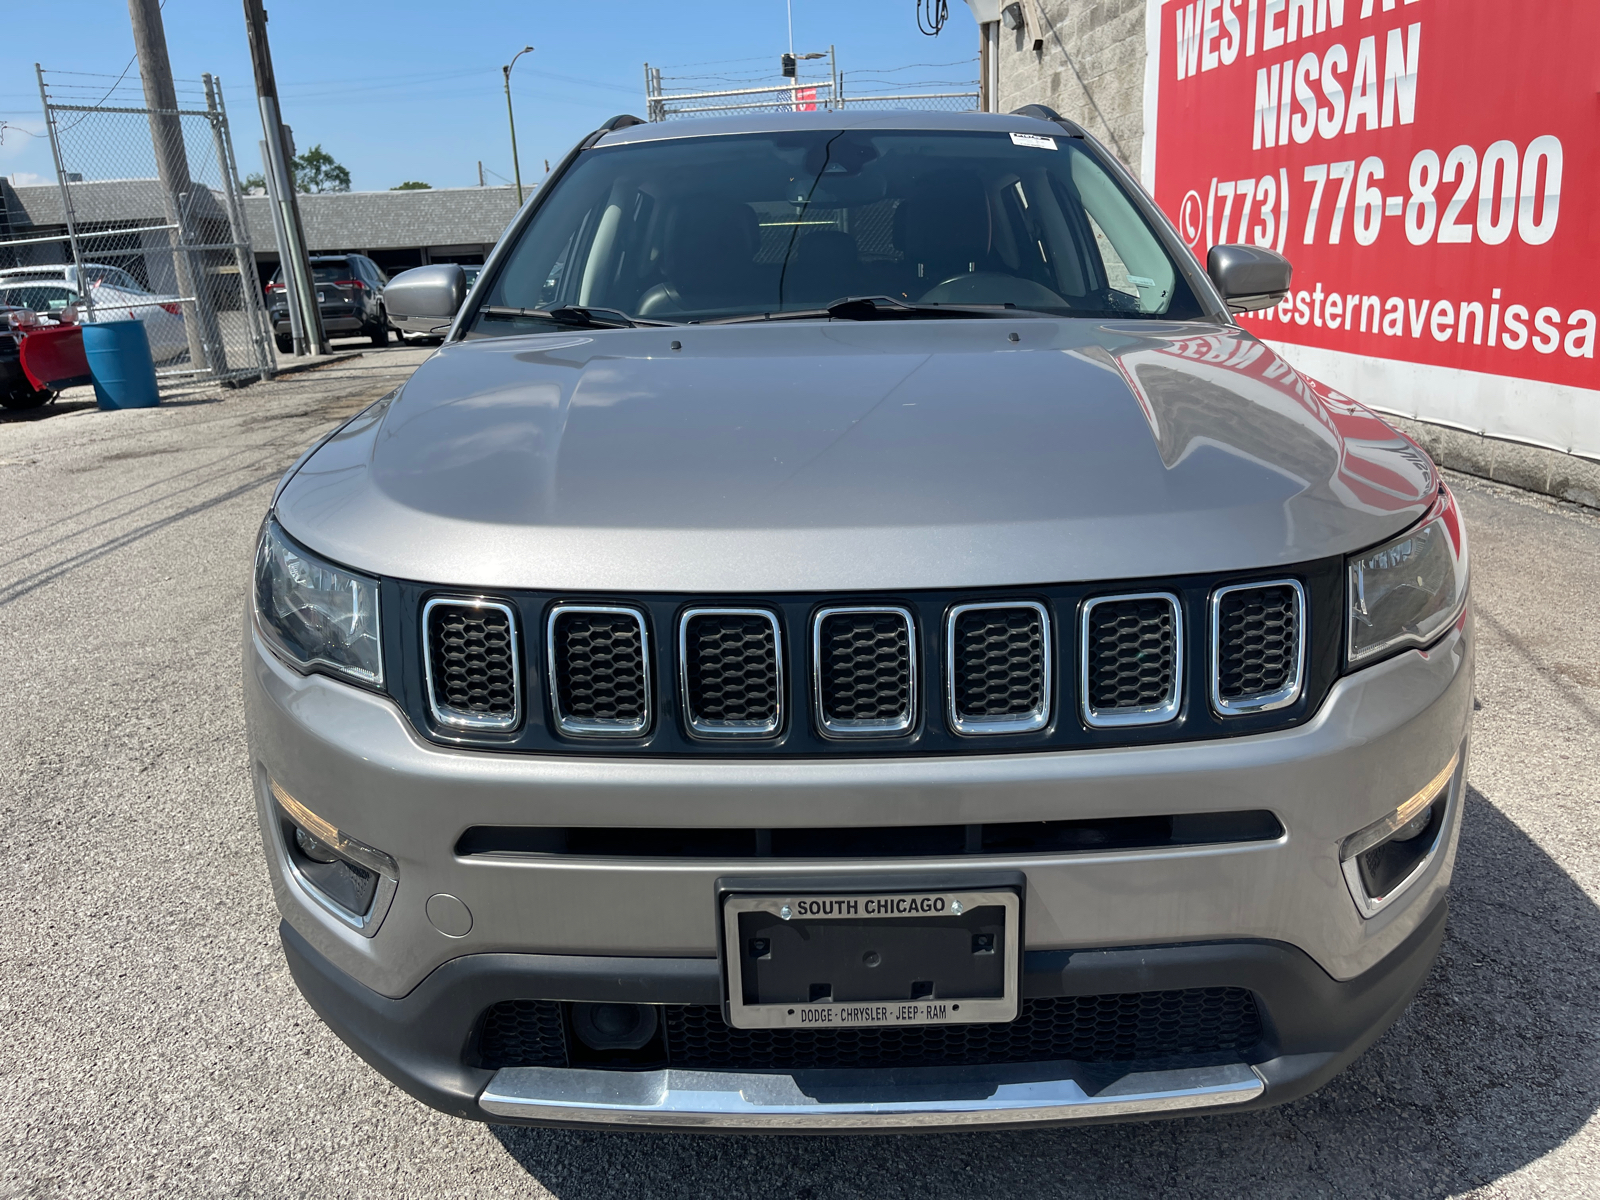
1072 128
620 121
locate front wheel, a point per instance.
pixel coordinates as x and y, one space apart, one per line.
285 343
23 396
380 335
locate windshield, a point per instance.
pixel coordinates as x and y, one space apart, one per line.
115 277
706 228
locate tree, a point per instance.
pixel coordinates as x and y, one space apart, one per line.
413 185
316 171
254 181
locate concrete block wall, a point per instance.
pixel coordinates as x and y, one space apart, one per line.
1090 68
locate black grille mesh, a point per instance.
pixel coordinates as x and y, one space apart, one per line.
1131 655
523 1033
1110 1028
731 660
471 651
1140 1025
865 667
1257 641
599 666
998 665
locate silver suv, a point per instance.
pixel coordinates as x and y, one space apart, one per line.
849 633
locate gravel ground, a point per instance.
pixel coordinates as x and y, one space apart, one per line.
152 1043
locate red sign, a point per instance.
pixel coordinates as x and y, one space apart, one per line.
805 99
1423 163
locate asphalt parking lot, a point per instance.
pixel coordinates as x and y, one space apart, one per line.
152 1043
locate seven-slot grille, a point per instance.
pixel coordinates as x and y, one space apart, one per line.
599 671
471 662
863 674
999 662
1132 659
732 667
1257 646
866 675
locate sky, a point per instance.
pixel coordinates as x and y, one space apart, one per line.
413 91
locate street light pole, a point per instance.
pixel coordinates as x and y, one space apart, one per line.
516 167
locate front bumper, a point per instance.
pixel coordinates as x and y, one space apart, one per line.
1314 1025
1275 917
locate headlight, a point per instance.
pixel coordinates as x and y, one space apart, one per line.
314 613
1409 591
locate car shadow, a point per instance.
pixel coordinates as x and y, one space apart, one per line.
1493 1066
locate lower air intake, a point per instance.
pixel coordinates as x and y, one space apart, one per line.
1131 1027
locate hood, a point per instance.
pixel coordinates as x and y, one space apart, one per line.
853 456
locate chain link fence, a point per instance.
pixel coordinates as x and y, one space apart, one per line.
148 226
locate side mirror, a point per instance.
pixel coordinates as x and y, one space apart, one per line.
424 298
1249 277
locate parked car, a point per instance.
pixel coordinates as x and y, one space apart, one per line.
16 389
349 292
428 328
117 296
850 633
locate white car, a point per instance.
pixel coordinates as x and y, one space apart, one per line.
117 296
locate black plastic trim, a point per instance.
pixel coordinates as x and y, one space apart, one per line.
1313 1025
1323 580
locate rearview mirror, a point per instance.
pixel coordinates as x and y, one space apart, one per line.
424 298
1249 277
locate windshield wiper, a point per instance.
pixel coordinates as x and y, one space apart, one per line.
573 315
878 308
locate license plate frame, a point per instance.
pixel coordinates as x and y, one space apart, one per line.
936 913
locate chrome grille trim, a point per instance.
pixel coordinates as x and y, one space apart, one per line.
1156 714
837 728
1027 722
589 726
458 718
1267 701
731 729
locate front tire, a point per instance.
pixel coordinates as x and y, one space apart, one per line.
380 336
285 343
25 397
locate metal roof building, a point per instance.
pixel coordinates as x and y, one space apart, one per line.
396 229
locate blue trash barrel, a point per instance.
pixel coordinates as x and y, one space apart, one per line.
119 360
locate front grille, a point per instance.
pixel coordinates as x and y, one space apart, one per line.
523 1033
1257 639
472 664
999 668
866 674
599 672
1132 659
732 672
1135 1026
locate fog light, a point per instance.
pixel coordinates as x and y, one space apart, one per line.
1383 859
348 878
614 1026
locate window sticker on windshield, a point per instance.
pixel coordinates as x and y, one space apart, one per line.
1037 140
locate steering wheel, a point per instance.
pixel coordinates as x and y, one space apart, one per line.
992 287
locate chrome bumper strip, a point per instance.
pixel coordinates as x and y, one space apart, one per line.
807 1101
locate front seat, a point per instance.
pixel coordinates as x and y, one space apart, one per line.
942 229
707 258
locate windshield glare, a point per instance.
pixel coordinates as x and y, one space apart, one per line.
696 229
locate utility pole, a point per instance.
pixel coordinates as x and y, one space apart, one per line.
172 166
296 267
516 167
